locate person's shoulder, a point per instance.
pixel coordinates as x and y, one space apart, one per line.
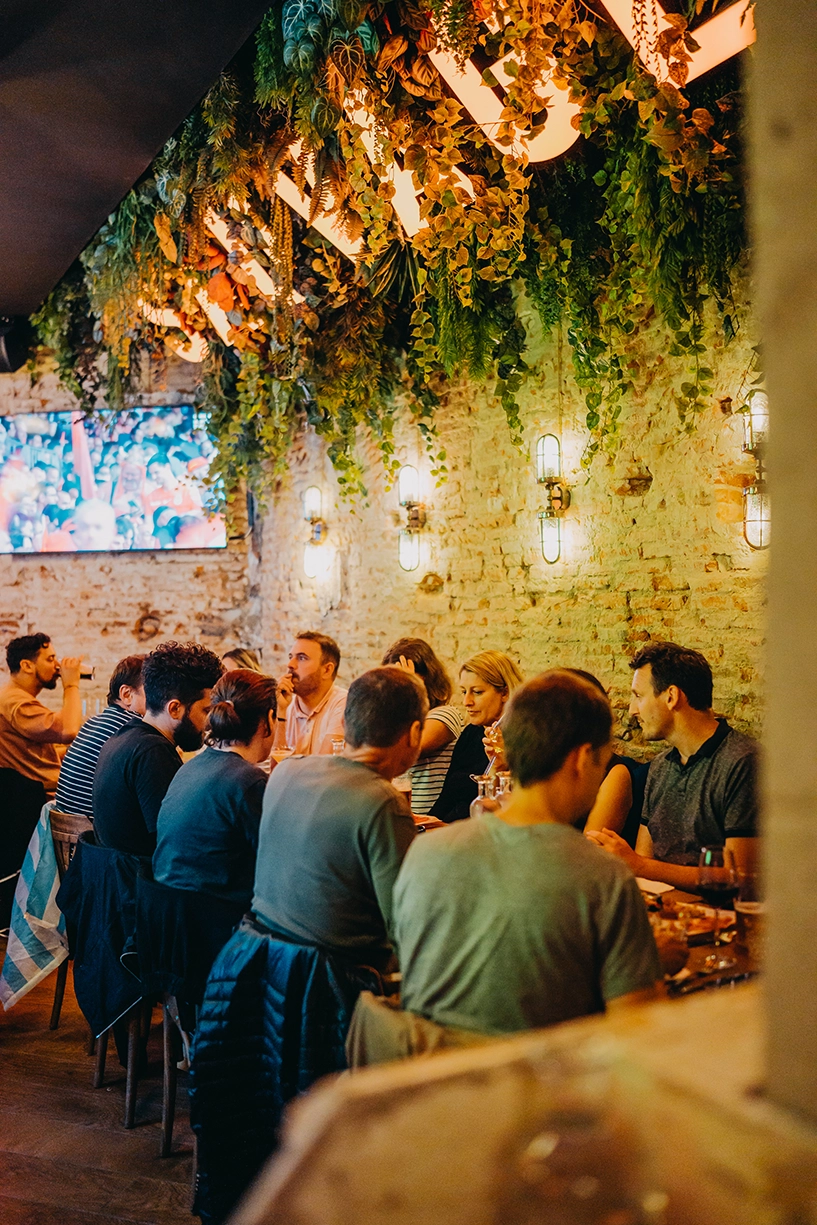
736 745
13 697
244 774
451 716
455 840
604 873
338 694
656 765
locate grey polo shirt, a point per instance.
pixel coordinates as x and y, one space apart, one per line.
333 836
711 798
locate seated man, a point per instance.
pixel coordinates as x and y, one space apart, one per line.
126 701
310 704
29 731
513 920
700 792
334 831
137 764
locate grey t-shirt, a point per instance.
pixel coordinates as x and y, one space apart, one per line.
502 928
333 835
711 798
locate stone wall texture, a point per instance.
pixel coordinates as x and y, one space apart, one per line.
652 546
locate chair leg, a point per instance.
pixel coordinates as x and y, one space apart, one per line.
91 1046
101 1054
133 1060
169 1075
145 1019
59 992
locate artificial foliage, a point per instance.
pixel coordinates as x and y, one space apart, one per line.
641 220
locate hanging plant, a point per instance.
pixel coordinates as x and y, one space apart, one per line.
642 219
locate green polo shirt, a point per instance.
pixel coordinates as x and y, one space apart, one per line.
501 928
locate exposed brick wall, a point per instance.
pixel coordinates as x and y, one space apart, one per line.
109 605
652 543
652 546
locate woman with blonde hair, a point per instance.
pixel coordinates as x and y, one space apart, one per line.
487 680
241 657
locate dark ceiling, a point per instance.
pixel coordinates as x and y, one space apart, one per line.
89 92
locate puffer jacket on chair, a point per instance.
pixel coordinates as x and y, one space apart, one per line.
273 1021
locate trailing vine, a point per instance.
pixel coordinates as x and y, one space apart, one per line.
641 218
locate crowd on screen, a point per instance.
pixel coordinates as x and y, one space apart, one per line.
518 912
136 481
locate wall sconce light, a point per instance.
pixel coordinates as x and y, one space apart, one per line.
316 558
549 474
756 424
408 541
313 504
756 515
756 512
408 549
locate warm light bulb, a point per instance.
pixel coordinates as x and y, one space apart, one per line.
408 550
548 458
408 485
318 560
313 503
550 536
756 517
756 421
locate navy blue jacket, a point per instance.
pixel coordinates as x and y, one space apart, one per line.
273 1021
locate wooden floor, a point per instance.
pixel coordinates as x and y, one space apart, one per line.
65 1158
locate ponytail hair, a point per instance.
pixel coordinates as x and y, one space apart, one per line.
238 703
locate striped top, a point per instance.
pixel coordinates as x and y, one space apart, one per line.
428 776
76 781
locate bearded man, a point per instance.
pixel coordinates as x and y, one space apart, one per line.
137 765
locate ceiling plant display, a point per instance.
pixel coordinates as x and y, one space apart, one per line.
348 229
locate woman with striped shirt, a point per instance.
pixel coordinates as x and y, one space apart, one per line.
442 726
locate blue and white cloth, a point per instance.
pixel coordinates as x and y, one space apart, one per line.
37 941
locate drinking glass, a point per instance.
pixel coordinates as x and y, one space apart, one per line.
717 885
485 791
750 913
338 745
281 753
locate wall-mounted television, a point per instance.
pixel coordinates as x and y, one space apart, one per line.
108 483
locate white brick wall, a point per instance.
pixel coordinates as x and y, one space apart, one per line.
669 562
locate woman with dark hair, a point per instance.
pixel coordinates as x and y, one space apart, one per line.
621 795
442 726
207 833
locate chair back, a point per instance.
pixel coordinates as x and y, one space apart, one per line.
179 934
66 828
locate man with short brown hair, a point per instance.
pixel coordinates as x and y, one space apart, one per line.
310 703
703 790
29 731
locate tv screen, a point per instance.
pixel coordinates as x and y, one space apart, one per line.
110 483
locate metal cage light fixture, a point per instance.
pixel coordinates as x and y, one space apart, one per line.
756 510
549 474
316 559
408 495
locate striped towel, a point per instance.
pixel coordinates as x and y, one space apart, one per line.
37 942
